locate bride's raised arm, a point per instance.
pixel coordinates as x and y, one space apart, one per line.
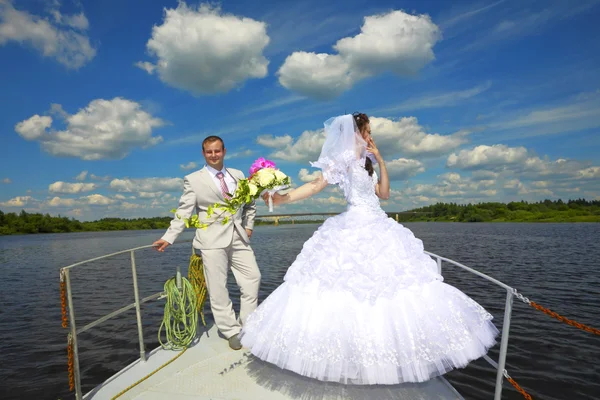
383 186
302 192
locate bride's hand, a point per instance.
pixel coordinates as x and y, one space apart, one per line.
277 198
372 148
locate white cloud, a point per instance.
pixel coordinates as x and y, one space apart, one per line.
130 206
488 192
105 129
57 109
34 128
6 180
451 177
404 168
147 185
205 51
589 173
77 21
306 176
395 41
82 175
149 195
434 190
18 201
481 175
408 137
70 188
97 200
188 166
321 76
274 141
146 66
541 184
520 161
516 187
58 202
63 40
75 213
307 147
511 184
328 200
488 156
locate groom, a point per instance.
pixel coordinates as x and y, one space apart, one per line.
219 245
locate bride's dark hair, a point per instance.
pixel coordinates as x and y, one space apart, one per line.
361 120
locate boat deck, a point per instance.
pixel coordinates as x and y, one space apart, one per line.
211 370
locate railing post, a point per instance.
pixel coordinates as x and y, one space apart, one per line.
503 344
138 311
76 373
439 263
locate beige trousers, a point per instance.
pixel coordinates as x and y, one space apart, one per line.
247 275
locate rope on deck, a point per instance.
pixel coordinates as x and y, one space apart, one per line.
149 375
180 318
198 281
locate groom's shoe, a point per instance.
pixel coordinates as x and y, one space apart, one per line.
234 342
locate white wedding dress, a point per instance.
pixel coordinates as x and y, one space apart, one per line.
363 304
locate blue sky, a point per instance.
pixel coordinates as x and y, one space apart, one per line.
105 104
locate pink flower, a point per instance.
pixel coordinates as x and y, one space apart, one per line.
269 164
259 164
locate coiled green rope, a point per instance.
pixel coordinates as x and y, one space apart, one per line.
180 318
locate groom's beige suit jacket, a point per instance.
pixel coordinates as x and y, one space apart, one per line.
199 192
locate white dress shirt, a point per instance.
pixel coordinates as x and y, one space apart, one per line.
229 180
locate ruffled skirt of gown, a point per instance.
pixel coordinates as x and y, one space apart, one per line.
362 304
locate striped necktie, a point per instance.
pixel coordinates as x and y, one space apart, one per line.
224 189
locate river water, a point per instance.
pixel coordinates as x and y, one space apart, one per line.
556 265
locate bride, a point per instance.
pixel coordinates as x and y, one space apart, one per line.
362 303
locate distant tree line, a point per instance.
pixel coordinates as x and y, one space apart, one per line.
579 210
11 223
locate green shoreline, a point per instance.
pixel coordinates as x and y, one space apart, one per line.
547 211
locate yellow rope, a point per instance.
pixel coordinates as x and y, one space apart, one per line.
149 375
196 278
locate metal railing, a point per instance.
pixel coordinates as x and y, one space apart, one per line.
65 273
500 371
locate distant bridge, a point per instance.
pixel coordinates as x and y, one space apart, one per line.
319 216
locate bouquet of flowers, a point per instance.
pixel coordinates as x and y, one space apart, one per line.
264 178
